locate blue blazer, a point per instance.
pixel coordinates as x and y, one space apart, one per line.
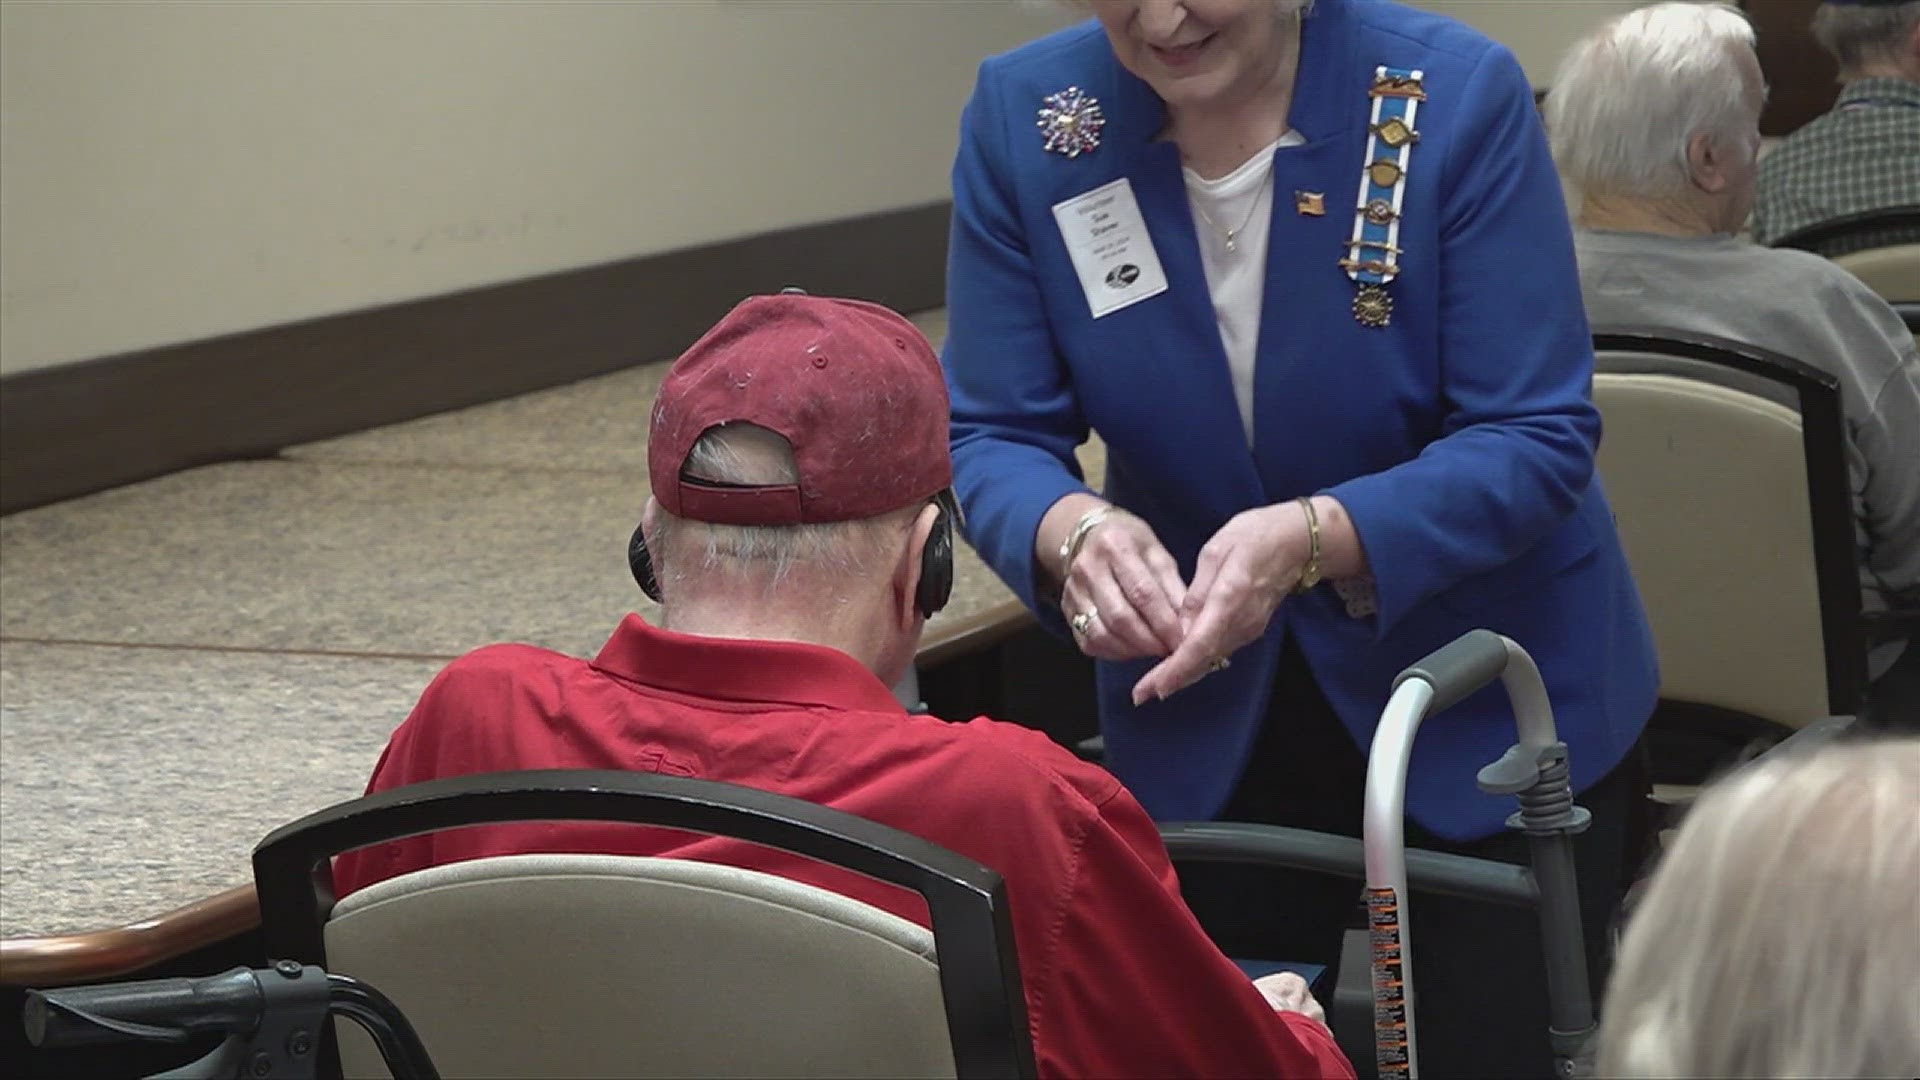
1460 438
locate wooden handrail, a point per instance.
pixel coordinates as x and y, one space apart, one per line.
66 959
69 959
949 641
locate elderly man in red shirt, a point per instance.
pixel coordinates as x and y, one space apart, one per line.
798 537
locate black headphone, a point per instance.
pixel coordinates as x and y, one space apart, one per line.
936 560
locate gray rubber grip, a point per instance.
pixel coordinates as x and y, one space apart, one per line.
1457 669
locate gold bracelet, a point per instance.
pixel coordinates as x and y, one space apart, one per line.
1310 576
1071 546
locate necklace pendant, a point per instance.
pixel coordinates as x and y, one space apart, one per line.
1231 246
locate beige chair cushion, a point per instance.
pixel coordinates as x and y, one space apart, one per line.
1708 484
581 965
1893 272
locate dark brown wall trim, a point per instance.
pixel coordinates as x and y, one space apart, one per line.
79 428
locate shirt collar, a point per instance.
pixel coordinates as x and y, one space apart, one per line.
1879 88
733 669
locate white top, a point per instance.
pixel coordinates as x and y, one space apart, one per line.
1241 201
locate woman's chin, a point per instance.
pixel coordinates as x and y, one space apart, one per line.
1196 90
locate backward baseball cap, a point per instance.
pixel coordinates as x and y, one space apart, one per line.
854 388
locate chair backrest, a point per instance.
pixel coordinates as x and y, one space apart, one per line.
1835 237
629 966
1893 271
497 954
1726 470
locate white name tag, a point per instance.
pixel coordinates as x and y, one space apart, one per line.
1112 253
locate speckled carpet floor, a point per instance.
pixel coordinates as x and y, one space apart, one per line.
189 662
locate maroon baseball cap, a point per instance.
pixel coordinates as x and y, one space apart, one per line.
854 388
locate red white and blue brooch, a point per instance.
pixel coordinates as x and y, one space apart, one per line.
1070 121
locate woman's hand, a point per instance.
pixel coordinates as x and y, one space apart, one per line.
1123 591
1244 572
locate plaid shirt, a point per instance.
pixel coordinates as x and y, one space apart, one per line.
1864 155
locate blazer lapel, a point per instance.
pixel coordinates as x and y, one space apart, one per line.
1304 309
1198 407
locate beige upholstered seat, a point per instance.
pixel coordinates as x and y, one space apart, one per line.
582 965
1893 272
1708 482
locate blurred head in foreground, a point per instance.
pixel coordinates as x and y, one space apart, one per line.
1781 936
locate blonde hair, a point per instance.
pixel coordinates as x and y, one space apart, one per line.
1781 936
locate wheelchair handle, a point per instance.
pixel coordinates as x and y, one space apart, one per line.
162 1010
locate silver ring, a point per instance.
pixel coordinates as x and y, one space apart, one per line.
1084 620
1221 664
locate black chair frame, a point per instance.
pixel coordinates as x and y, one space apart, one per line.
1829 489
1819 238
973 932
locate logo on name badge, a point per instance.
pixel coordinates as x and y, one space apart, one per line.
1122 276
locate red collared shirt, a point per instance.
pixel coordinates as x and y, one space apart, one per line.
1120 979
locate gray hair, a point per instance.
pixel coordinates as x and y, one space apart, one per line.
1779 937
1859 34
750 454
1629 97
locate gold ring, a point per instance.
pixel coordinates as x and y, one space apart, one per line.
1084 620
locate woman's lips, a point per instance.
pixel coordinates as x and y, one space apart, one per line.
1181 56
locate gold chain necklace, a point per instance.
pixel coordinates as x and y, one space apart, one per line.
1230 235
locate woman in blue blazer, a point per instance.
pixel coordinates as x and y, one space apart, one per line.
1310 277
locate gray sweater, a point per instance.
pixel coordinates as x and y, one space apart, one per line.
1805 307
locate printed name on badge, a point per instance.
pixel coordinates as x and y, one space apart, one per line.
1107 239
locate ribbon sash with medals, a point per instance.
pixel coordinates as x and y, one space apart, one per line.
1373 255
1372 258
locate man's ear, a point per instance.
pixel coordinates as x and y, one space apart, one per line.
650 520
906 591
1707 162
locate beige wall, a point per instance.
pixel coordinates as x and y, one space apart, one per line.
1537 31
174 170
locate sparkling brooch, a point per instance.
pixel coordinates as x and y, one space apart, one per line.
1071 121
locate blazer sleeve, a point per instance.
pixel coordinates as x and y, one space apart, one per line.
1516 451
1016 420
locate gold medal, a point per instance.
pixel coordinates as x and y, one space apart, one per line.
1380 212
1384 173
1396 133
1404 86
1372 306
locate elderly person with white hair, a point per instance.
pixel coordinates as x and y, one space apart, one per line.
1778 938
1865 154
1655 123
1308 272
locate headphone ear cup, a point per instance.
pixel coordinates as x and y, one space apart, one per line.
936 566
640 561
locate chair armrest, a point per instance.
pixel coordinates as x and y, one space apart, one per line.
1821 731
1898 620
1287 848
1909 314
1092 749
